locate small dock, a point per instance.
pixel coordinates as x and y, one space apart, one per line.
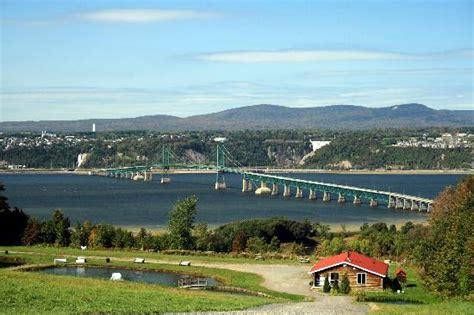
192 283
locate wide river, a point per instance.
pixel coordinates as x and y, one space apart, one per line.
137 203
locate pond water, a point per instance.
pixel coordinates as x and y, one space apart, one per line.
151 277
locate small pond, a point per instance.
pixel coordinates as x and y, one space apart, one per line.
152 277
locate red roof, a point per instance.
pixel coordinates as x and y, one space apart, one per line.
354 259
400 270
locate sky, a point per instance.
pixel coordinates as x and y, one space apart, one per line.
113 59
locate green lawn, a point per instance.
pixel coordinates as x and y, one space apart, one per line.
417 298
23 291
225 258
27 292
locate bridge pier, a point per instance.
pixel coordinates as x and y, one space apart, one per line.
391 202
341 198
326 196
312 194
274 189
246 185
286 191
429 207
406 204
398 203
220 181
299 192
373 202
147 176
263 184
414 205
357 200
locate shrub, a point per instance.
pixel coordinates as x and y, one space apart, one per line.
326 286
335 287
345 285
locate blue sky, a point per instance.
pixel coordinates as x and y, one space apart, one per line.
111 59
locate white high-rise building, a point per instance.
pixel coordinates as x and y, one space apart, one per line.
93 127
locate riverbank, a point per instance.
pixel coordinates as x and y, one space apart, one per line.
333 227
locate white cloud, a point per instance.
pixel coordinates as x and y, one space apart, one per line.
324 55
142 15
299 56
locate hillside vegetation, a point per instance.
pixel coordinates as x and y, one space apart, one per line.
369 149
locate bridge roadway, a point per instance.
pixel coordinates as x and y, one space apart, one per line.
327 190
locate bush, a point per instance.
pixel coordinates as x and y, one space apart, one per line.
326 286
345 285
335 287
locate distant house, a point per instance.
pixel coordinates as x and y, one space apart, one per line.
364 272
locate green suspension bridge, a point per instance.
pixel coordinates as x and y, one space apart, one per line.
225 163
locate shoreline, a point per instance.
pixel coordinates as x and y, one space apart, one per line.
334 227
267 170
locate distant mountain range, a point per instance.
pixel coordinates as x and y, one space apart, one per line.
267 116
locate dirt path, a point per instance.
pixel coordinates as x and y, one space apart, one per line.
283 278
294 279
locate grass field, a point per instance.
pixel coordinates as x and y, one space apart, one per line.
225 258
416 299
25 292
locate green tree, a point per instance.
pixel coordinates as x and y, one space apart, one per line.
201 235
326 286
12 222
102 235
345 285
256 245
181 223
61 228
446 254
335 287
48 232
144 239
80 234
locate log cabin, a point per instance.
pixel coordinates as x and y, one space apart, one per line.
364 272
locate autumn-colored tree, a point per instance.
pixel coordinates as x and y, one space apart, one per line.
32 234
446 254
239 243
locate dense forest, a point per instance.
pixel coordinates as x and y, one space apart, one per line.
370 149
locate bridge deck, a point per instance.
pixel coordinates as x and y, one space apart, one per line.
342 188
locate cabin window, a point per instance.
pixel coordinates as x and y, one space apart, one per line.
334 276
361 278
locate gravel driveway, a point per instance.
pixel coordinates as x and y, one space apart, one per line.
293 279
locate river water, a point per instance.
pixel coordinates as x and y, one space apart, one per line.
137 203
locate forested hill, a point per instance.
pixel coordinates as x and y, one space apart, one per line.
268 117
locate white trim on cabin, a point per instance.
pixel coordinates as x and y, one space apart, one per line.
350 264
